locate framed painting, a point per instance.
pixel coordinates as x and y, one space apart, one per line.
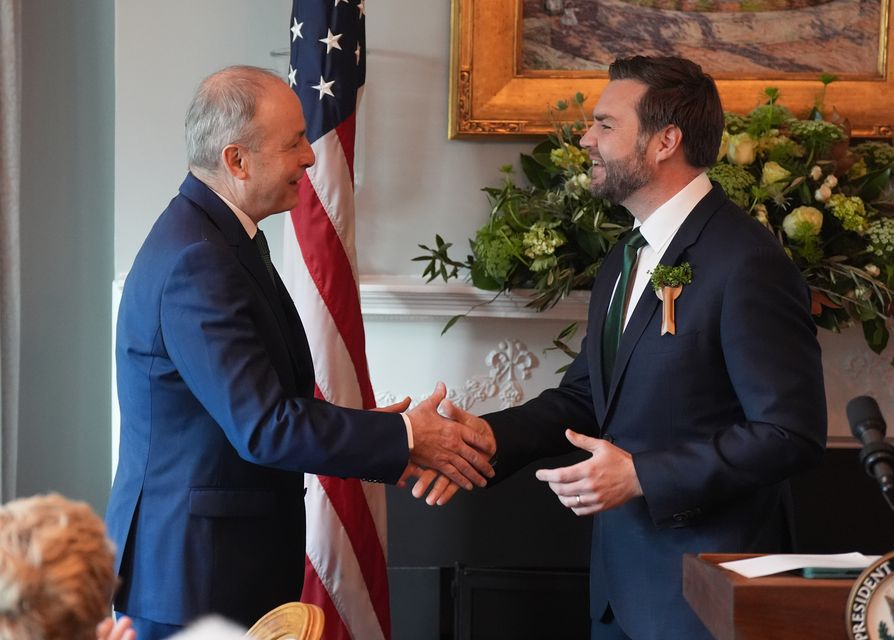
511 59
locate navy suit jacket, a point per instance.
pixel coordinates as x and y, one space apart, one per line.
717 417
218 424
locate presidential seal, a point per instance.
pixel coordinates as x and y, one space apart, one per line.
870 606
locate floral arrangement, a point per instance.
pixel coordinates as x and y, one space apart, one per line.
829 203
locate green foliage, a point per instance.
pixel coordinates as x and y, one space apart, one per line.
560 343
664 275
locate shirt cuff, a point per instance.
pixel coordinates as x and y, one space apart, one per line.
409 426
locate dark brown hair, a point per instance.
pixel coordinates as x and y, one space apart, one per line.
678 93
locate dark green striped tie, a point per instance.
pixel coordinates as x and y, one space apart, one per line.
264 249
614 321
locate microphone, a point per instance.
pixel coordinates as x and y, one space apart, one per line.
876 456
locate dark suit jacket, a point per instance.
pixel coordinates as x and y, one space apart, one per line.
717 417
218 424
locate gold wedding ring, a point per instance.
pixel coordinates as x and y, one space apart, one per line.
578 501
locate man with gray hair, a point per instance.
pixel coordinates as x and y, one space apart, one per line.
215 384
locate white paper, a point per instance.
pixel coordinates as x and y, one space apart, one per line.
768 565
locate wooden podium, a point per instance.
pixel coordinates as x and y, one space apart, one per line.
779 607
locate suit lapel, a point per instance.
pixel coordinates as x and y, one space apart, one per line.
248 255
298 350
302 359
647 305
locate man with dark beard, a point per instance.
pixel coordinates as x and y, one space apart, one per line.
692 434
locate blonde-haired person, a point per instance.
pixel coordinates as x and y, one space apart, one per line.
56 572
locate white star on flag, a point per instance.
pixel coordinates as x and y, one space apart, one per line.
362 6
325 88
292 72
331 41
296 29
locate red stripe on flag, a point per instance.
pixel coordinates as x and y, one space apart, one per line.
331 273
329 265
350 504
345 132
314 592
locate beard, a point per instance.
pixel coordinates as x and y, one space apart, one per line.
624 177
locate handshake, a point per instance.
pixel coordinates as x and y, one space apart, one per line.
452 449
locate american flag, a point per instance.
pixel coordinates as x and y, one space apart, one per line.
345 569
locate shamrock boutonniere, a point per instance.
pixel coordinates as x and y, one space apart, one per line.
668 284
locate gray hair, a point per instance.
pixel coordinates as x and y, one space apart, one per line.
222 111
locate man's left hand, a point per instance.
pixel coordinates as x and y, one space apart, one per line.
604 481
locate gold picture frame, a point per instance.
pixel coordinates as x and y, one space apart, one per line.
490 96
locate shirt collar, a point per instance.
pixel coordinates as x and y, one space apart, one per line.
247 223
660 227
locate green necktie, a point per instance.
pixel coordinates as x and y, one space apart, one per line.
264 249
614 321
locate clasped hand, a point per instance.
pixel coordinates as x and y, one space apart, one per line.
444 486
459 452
605 480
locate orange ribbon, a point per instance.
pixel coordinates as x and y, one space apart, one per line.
668 295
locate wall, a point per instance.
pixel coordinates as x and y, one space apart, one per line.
163 50
66 245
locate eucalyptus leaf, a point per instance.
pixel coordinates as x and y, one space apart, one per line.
535 172
450 323
481 280
876 334
874 185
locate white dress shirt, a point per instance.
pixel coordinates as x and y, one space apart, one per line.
658 230
247 223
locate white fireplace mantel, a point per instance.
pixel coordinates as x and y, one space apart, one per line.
388 296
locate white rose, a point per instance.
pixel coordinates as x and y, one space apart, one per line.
742 149
872 270
831 181
801 221
773 172
816 172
